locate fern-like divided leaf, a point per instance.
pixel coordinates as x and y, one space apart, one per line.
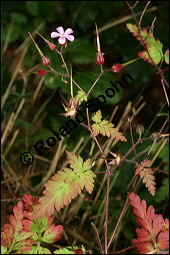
105 128
153 236
65 186
146 174
13 235
23 235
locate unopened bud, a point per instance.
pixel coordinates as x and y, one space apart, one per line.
45 60
99 58
51 45
117 68
78 251
41 72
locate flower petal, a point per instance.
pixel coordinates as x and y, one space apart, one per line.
68 31
70 37
60 30
55 34
62 40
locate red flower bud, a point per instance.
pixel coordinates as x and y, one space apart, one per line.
45 60
51 45
117 68
100 58
78 251
41 72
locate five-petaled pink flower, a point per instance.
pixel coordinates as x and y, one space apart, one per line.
63 35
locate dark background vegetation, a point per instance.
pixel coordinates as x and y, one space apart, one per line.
119 46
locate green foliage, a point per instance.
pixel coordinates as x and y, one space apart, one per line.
70 250
118 47
163 191
166 56
105 128
24 235
80 97
153 52
81 52
65 185
32 7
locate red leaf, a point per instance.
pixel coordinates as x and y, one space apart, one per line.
152 236
163 240
144 248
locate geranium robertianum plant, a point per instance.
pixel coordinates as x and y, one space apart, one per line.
31 225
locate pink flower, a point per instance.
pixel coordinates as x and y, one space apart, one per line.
63 35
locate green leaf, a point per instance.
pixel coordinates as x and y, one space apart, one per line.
19 18
80 97
69 250
132 28
97 117
166 56
163 191
65 185
81 52
32 7
154 53
39 250
105 128
4 250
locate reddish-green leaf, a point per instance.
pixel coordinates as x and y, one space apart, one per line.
52 234
105 128
153 48
65 186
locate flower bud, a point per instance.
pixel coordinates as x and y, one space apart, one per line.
51 45
117 68
99 58
41 72
45 60
78 251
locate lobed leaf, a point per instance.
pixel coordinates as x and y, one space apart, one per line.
153 48
65 186
13 232
146 174
105 128
80 97
153 235
23 235
52 234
